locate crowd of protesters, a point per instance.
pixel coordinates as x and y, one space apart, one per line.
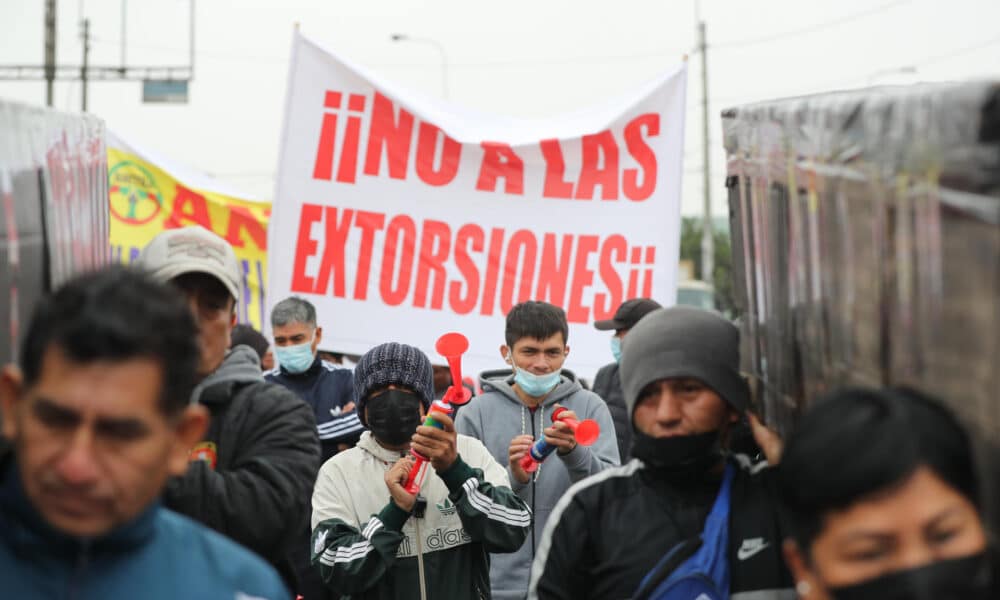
154 449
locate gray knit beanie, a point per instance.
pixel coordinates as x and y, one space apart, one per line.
396 364
682 341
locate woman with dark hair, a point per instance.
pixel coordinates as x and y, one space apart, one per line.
883 502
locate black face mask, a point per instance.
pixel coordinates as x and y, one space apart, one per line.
393 416
969 578
681 455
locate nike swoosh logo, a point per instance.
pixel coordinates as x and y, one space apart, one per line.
746 552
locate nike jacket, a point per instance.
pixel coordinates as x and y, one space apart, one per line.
609 531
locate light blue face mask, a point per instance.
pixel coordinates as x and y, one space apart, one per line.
295 359
616 348
536 385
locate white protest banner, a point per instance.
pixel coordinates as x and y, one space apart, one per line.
401 217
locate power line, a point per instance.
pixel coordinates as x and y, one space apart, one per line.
816 87
958 52
199 53
778 36
775 37
470 65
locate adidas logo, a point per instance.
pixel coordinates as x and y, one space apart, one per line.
320 542
446 507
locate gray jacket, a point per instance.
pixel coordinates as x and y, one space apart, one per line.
498 416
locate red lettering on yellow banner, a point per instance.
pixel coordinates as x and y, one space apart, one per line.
188 207
241 221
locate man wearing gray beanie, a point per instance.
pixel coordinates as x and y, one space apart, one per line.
373 539
609 535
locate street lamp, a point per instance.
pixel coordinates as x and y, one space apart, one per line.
402 37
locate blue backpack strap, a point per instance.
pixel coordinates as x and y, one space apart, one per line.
670 562
705 557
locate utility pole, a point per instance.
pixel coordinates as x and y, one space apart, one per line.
50 49
83 67
49 71
191 39
124 32
708 230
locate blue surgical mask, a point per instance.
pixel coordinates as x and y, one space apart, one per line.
536 385
295 359
616 348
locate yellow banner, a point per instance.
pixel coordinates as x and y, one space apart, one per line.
146 200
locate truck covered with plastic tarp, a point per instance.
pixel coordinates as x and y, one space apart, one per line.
53 208
866 247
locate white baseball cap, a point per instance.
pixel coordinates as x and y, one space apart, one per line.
192 249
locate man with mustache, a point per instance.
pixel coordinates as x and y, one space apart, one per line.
251 474
99 419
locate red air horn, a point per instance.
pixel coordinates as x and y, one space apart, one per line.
451 346
586 432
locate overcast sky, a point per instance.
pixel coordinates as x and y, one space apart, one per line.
521 57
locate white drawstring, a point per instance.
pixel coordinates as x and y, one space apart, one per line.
420 560
541 414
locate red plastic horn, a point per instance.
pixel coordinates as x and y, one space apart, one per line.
586 431
452 346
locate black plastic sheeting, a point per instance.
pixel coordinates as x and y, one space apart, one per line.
53 208
866 248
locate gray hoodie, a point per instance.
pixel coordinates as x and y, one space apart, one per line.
496 417
241 365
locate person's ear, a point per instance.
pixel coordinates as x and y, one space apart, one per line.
797 565
734 415
188 431
317 337
11 390
505 354
566 350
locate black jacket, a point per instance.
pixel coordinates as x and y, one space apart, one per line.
327 388
608 385
610 530
251 478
